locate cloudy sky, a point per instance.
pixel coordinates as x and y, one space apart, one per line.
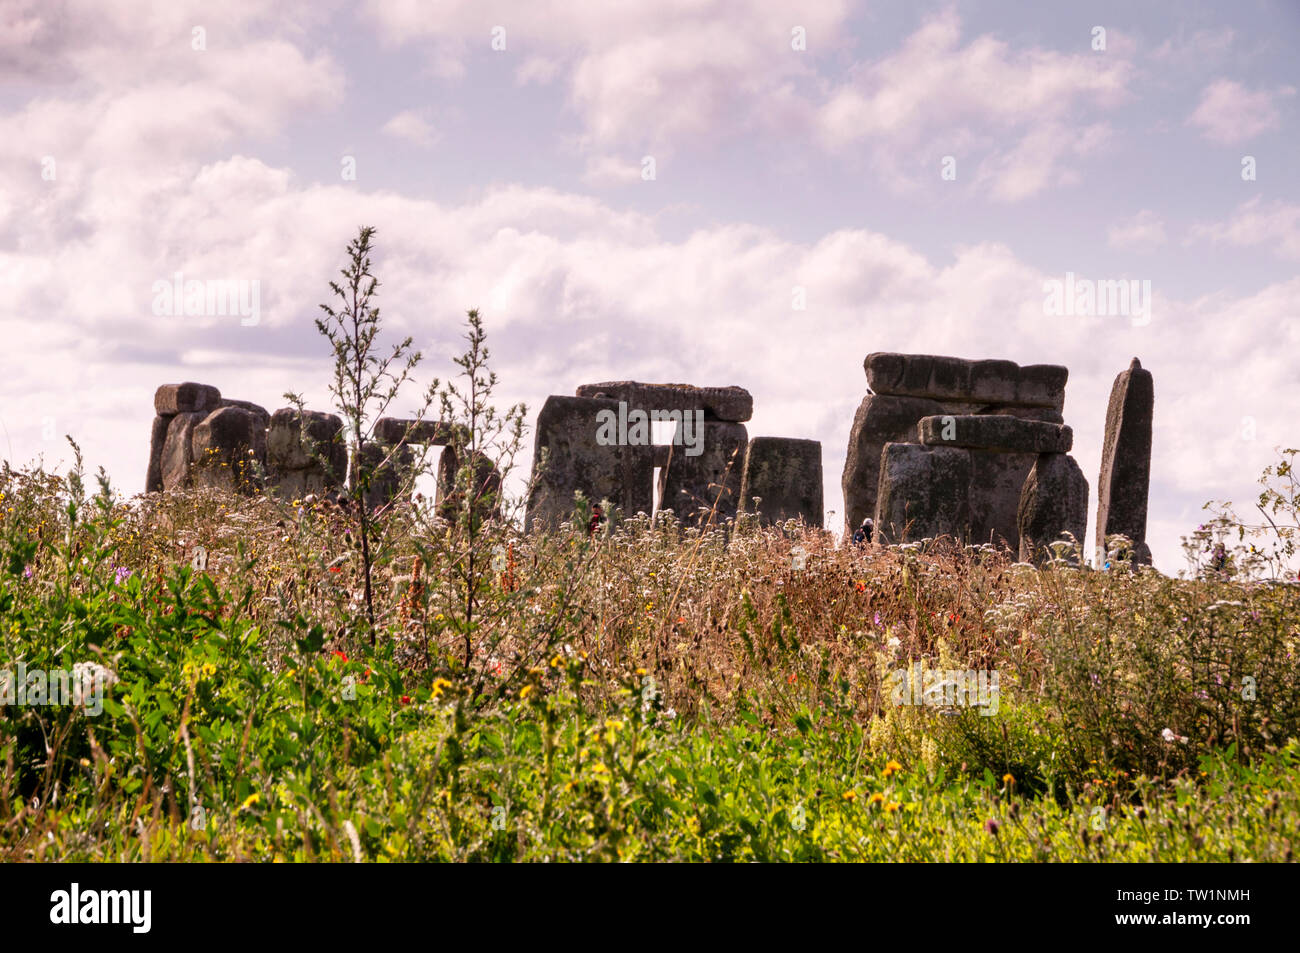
637 191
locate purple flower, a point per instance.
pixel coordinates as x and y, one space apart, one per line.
121 575
27 572
877 618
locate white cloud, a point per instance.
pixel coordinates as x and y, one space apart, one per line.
410 126
1230 113
1275 225
1143 232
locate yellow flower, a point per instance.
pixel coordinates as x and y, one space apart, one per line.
250 801
640 671
891 807
850 795
1008 779
599 768
891 767
876 798
525 691
441 683
557 661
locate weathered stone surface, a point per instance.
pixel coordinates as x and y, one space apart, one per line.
879 420
388 467
286 448
153 481
924 492
484 490
690 484
185 398
1053 502
263 415
393 429
786 475
566 436
952 378
733 404
177 454
1126 462
996 482
228 447
999 432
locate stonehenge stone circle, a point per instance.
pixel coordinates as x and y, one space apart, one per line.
1001 428
200 439
785 474
977 451
1126 463
702 470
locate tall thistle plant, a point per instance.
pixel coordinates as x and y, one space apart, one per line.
367 379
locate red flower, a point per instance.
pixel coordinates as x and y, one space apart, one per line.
340 655
336 568
406 699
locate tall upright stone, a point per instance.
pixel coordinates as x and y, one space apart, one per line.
305 452
880 419
705 486
924 493
229 449
1053 502
1125 477
153 481
785 475
568 457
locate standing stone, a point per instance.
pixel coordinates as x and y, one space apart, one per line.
694 487
1126 463
153 481
387 467
177 452
257 410
1053 502
484 489
786 475
879 420
567 458
229 448
996 482
924 492
305 452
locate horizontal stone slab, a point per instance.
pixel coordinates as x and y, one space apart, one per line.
996 432
733 404
187 398
954 378
393 429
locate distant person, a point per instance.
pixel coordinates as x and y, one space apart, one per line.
597 517
864 533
